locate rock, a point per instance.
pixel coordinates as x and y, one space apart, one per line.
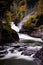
22 49
40 20
3 51
26 30
38 33
8 35
28 52
37 61
12 50
39 55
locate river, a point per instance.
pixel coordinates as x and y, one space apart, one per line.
21 52
15 57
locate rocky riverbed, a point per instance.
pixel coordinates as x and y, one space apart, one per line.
20 52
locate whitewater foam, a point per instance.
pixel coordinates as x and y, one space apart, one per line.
17 54
27 37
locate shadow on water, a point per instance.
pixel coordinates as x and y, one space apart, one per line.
16 62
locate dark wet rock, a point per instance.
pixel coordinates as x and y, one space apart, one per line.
39 55
28 52
8 35
22 49
12 50
37 61
42 37
3 52
17 46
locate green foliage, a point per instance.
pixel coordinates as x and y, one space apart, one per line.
34 22
7 17
6 26
18 10
29 22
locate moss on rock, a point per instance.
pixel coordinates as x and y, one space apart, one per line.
8 35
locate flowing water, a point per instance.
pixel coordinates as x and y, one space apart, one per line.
24 20
22 52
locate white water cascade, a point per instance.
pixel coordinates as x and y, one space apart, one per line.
17 54
24 36
14 27
24 20
17 28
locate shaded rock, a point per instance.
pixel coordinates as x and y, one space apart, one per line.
28 52
38 33
22 49
8 35
37 61
40 20
26 30
3 51
39 55
12 50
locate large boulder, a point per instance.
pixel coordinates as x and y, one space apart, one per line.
38 33
8 35
39 55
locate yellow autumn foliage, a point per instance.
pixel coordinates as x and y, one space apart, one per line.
22 8
8 17
39 7
29 21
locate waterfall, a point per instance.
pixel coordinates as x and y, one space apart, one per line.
17 28
14 27
24 20
24 36
17 54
